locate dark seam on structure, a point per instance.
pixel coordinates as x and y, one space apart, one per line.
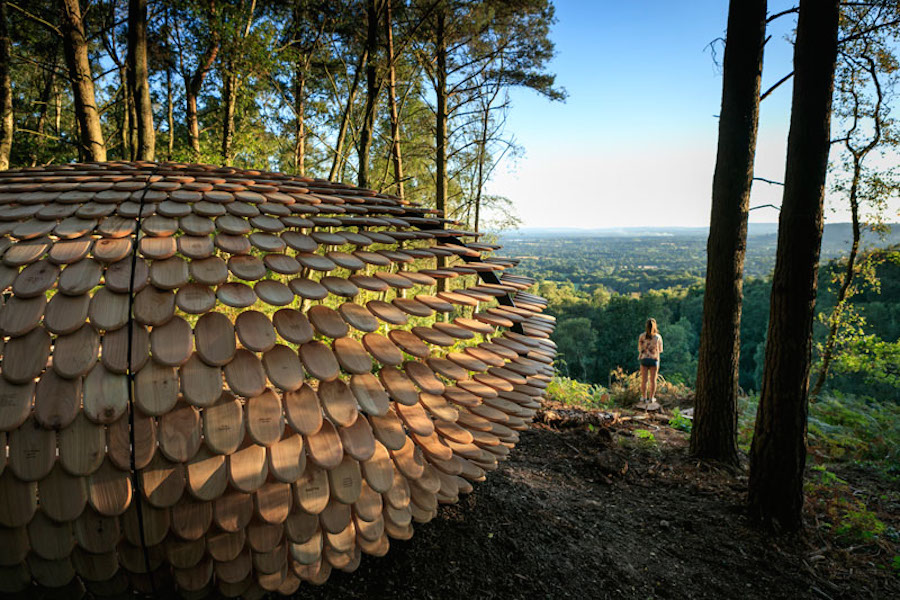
135 480
489 277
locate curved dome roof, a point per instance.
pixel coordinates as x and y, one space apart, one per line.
239 378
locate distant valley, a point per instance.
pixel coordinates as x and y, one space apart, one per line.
628 260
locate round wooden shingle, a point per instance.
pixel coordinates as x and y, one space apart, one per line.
66 314
302 409
319 361
214 339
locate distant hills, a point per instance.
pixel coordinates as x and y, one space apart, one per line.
644 258
836 237
754 229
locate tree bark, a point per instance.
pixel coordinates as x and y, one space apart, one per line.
441 117
778 452
338 163
127 125
714 434
193 84
170 115
373 86
7 123
396 154
482 152
440 144
46 95
300 110
92 146
139 80
229 97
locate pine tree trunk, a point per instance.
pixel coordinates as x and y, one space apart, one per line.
714 434
300 110
396 155
7 123
193 122
90 133
482 151
778 452
170 115
229 97
441 132
193 83
338 163
139 81
372 89
124 121
44 109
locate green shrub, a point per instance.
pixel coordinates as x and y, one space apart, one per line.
574 393
679 421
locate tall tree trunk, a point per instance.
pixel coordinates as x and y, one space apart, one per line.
132 130
193 84
396 155
139 79
7 123
57 107
127 112
440 144
230 91
300 110
482 152
170 115
714 434
338 164
373 86
778 452
92 145
193 122
43 111
229 97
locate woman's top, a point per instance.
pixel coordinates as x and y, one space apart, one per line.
650 347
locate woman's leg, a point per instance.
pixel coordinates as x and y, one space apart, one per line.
653 372
644 381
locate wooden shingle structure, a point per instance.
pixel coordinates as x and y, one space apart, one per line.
233 380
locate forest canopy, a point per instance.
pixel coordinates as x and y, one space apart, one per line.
408 98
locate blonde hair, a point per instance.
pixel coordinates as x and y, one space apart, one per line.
651 329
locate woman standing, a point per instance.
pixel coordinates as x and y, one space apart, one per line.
650 346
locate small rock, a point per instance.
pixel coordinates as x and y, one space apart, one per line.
664 524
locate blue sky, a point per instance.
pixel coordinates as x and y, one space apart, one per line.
635 143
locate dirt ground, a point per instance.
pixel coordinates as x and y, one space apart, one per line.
599 512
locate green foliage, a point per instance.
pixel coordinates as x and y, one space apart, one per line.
841 427
858 523
574 393
847 515
645 439
679 421
851 427
598 328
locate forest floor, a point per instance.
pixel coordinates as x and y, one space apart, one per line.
608 511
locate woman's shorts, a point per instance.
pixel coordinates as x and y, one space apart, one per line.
649 362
